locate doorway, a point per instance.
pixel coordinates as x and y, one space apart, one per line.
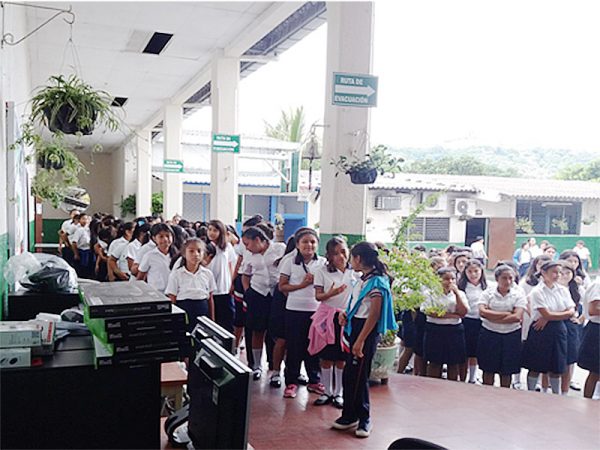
476 227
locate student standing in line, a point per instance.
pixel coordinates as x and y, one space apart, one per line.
473 284
296 280
191 285
589 352
574 324
444 341
369 313
584 255
501 310
459 261
67 230
478 250
80 244
333 283
572 258
259 279
222 268
141 235
144 249
155 266
105 237
545 349
118 269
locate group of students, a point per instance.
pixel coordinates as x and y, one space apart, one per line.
324 312
537 323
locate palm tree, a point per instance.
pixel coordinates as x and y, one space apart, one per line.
290 126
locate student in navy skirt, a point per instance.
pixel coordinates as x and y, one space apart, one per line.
473 284
574 324
409 338
444 341
501 310
545 350
589 352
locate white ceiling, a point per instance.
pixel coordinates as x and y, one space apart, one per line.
109 38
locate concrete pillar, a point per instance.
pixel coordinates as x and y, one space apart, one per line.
143 191
224 166
173 184
349 50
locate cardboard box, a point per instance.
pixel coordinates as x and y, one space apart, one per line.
15 357
20 334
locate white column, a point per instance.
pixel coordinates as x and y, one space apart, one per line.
349 49
173 185
143 191
224 166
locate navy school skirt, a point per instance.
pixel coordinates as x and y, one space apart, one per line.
546 350
239 302
277 315
333 352
472 330
499 352
444 344
420 322
589 352
409 329
259 310
573 341
194 309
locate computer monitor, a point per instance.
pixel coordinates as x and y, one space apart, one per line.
206 328
219 390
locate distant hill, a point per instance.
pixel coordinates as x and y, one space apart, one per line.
535 163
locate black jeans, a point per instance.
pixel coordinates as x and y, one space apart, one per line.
297 324
356 375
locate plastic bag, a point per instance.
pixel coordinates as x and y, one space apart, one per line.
40 272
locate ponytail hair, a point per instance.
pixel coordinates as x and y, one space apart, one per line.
253 221
267 228
369 256
573 286
255 233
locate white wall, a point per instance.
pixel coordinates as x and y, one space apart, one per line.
124 172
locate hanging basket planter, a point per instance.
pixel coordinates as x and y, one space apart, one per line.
365 176
47 162
66 121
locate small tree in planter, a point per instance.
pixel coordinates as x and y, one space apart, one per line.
365 170
279 228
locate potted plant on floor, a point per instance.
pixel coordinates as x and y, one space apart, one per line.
385 356
279 228
71 106
365 170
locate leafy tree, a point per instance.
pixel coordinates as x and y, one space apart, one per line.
582 172
290 126
459 165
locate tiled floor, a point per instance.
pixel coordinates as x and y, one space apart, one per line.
455 415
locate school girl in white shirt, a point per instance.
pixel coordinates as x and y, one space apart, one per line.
144 249
333 284
155 265
501 309
80 244
260 276
191 285
545 350
589 352
573 259
296 280
444 341
118 269
222 268
473 284
141 235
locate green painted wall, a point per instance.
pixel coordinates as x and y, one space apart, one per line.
3 284
32 236
50 229
566 242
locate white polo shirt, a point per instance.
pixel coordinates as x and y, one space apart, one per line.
156 265
81 238
146 248
219 266
326 279
262 270
473 293
591 294
69 228
133 248
185 285
118 250
365 306
302 299
515 298
555 299
448 302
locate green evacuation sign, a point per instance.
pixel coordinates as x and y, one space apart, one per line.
173 166
350 89
226 143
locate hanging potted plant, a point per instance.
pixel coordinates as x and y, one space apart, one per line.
279 227
71 106
365 170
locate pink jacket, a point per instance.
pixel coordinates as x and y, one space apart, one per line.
322 330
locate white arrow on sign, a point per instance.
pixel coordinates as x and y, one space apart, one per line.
354 90
225 144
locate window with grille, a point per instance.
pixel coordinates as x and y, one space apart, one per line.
429 229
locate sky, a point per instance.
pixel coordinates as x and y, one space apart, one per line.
516 74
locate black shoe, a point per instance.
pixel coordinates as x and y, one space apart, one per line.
338 402
344 424
275 381
256 374
323 400
302 380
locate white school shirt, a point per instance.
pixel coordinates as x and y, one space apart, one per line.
219 266
103 245
133 248
473 293
144 249
515 298
118 250
156 264
302 299
185 285
365 306
448 301
81 238
241 250
478 250
262 270
326 279
69 228
591 294
555 299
